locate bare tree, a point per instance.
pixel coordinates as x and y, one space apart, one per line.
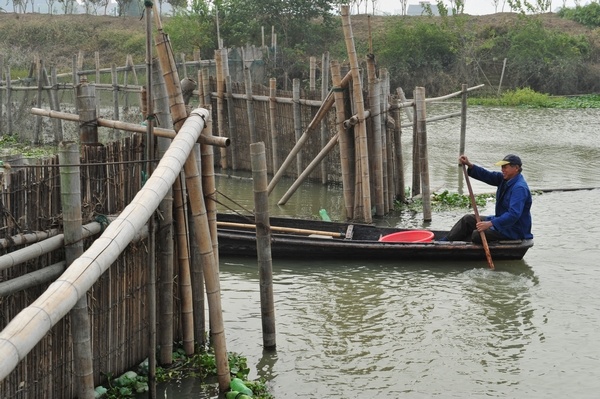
374 5
403 6
495 3
50 4
68 6
20 6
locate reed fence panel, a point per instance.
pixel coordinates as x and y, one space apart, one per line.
111 175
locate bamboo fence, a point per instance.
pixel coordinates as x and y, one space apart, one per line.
30 200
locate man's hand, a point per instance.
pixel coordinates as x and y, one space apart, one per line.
463 160
483 226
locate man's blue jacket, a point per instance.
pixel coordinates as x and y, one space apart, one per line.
513 203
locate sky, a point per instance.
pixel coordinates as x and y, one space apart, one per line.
472 7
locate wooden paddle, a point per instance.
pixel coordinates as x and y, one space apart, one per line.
478 219
282 229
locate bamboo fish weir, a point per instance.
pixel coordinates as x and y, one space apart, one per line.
177 189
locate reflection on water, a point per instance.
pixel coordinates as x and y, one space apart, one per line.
385 329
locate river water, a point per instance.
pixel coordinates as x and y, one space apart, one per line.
451 330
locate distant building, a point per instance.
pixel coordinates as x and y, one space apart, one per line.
421 8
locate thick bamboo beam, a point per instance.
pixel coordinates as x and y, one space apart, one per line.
346 156
165 229
420 113
199 216
263 243
324 91
297 113
362 209
272 123
70 194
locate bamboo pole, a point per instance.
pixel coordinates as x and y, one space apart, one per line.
37 249
362 209
70 188
202 230
345 148
400 194
405 104
375 142
165 229
308 170
297 121
86 99
38 120
114 76
206 86
323 110
231 120
282 229
33 279
250 106
97 64
207 167
273 123
197 281
182 235
74 74
199 78
436 118
423 157
183 67
29 238
263 243
43 247
209 187
28 327
55 105
220 116
183 260
416 165
129 65
324 91
312 74
386 124
149 156
9 120
179 113
132 127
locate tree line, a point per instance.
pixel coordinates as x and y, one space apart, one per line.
438 52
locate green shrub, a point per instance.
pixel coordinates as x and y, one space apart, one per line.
588 15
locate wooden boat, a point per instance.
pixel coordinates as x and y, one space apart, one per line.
302 238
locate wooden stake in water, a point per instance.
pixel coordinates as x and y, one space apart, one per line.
263 243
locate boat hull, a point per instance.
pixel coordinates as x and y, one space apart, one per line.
360 241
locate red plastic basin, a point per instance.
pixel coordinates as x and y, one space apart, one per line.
409 236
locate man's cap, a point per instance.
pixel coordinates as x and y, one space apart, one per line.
510 159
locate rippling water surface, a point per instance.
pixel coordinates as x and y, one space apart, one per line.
451 330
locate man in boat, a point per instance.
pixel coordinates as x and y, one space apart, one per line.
512 220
